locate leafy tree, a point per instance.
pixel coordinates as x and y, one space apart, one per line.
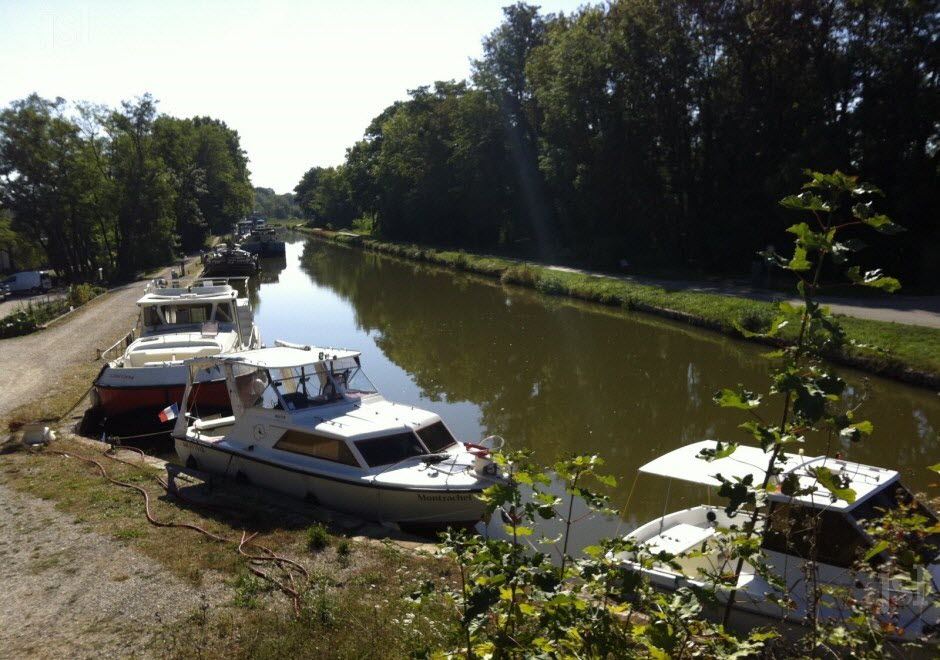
269 204
660 131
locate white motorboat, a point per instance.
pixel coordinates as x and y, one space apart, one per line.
689 548
310 424
176 323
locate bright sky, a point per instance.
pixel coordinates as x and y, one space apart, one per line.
299 81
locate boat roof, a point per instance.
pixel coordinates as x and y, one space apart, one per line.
370 418
683 463
277 357
203 291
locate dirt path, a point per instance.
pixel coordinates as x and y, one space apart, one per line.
68 592
28 362
909 310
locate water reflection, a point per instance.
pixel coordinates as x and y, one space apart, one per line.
550 374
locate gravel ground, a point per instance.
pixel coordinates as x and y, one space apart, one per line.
28 362
71 593
66 591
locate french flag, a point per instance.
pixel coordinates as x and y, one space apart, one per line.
168 413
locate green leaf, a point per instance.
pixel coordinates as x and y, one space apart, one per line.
883 224
935 467
836 485
742 399
878 548
720 451
805 201
607 480
799 263
766 436
807 238
873 278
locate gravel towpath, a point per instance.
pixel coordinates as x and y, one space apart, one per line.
72 593
28 362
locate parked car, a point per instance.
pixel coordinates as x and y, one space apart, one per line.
30 281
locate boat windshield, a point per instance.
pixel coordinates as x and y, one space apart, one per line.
188 314
889 499
348 375
390 449
436 437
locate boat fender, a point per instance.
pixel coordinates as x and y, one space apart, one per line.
477 450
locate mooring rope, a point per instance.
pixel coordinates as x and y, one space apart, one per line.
282 562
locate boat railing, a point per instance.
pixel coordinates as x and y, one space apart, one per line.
203 285
117 349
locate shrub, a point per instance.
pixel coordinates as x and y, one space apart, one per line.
552 285
26 319
82 293
521 274
317 537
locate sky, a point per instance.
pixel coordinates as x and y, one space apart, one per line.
299 81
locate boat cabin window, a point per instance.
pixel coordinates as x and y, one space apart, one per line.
794 529
390 449
436 437
223 313
156 315
327 449
180 314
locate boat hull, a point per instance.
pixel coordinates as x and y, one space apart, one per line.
415 508
756 602
119 391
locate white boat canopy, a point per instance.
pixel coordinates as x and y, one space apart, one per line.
276 357
683 464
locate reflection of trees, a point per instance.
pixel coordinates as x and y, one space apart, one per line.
546 375
271 268
561 377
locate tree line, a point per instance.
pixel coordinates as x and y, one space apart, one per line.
269 204
87 187
657 133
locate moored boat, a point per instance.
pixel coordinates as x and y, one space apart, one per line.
227 261
263 242
811 536
310 424
175 324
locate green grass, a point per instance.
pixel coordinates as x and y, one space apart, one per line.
904 352
354 597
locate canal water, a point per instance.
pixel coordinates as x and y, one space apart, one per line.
556 376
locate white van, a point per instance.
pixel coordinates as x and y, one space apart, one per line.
30 281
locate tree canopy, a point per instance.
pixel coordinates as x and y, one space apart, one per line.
121 189
657 132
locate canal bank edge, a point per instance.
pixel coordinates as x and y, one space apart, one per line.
909 354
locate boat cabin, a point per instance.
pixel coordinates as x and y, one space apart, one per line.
794 522
317 403
164 309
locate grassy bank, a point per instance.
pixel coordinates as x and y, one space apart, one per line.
357 591
907 353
